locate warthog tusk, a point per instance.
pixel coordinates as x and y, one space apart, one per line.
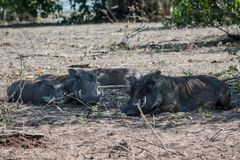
144 101
80 93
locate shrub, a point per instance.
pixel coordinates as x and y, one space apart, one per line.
205 12
29 10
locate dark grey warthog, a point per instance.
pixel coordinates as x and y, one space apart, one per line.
157 93
81 83
119 76
36 92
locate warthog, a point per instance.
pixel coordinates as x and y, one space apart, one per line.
80 83
119 76
157 93
36 92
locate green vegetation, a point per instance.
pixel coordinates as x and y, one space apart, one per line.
187 73
27 10
82 121
205 12
118 10
182 12
205 113
181 116
96 112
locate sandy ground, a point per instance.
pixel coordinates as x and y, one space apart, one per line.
64 132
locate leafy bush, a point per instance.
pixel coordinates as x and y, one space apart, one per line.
204 12
87 10
119 10
27 9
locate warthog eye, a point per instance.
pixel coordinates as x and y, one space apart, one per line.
91 77
150 84
148 87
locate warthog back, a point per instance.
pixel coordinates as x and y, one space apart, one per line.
118 76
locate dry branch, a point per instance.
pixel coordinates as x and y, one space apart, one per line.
16 133
232 36
106 14
233 79
156 135
109 14
80 66
114 87
125 39
215 135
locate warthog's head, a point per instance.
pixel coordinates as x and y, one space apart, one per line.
52 91
85 85
144 95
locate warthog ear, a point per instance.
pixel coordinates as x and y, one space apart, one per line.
72 72
158 72
155 76
97 72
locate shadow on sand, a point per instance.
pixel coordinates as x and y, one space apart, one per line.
28 25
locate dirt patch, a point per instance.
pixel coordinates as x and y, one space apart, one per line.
21 140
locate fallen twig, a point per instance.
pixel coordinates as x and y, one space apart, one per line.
156 135
153 144
151 153
125 39
229 133
79 66
144 140
21 133
105 12
150 126
114 87
233 79
58 108
215 135
232 36
89 107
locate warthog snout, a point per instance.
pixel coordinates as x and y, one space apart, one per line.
85 85
91 98
133 108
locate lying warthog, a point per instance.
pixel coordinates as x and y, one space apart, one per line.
80 83
36 92
119 76
157 93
